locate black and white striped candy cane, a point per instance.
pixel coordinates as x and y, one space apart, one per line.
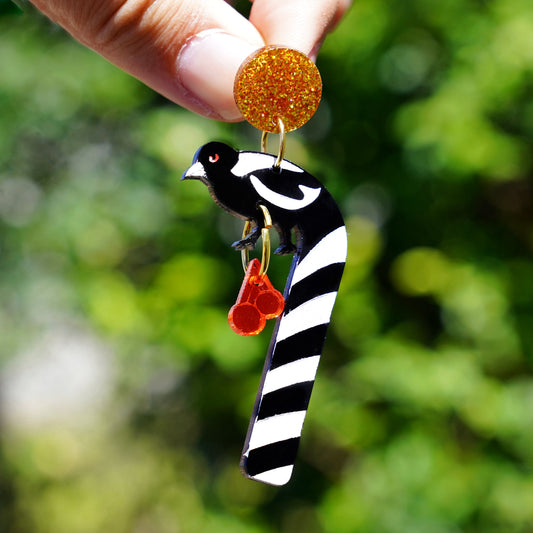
274 434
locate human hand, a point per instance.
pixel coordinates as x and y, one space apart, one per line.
190 50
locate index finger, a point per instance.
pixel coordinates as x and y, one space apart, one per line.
299 24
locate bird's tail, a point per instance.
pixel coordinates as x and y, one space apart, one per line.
281 405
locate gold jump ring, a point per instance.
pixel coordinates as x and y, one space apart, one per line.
281 149
265 237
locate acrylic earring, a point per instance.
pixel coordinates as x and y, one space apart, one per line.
278 90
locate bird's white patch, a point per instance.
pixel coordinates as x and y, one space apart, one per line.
285 202
332 249
253 161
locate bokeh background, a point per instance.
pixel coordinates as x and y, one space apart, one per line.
125 397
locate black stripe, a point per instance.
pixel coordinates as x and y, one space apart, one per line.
271 456
306 343
286 400
328 219
322 281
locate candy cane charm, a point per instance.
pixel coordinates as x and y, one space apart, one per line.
240 182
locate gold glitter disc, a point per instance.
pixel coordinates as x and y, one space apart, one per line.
276 84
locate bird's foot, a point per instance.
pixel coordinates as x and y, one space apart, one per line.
286 249
249 241
245 244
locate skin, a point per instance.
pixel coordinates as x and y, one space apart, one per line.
190 50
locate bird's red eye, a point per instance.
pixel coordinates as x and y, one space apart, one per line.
213 158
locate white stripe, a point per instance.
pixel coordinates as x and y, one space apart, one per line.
286 202
276 476
254 161
296 372
333 248
276 428
312 313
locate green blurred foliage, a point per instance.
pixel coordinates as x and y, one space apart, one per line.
125 395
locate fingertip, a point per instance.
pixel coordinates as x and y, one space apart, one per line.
298 24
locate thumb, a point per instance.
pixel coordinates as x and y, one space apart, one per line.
187 50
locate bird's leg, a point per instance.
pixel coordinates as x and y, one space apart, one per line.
250 240
285 242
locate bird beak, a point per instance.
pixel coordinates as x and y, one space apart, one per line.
195 172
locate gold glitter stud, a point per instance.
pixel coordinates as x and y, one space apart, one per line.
277 83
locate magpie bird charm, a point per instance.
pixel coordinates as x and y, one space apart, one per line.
241 182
